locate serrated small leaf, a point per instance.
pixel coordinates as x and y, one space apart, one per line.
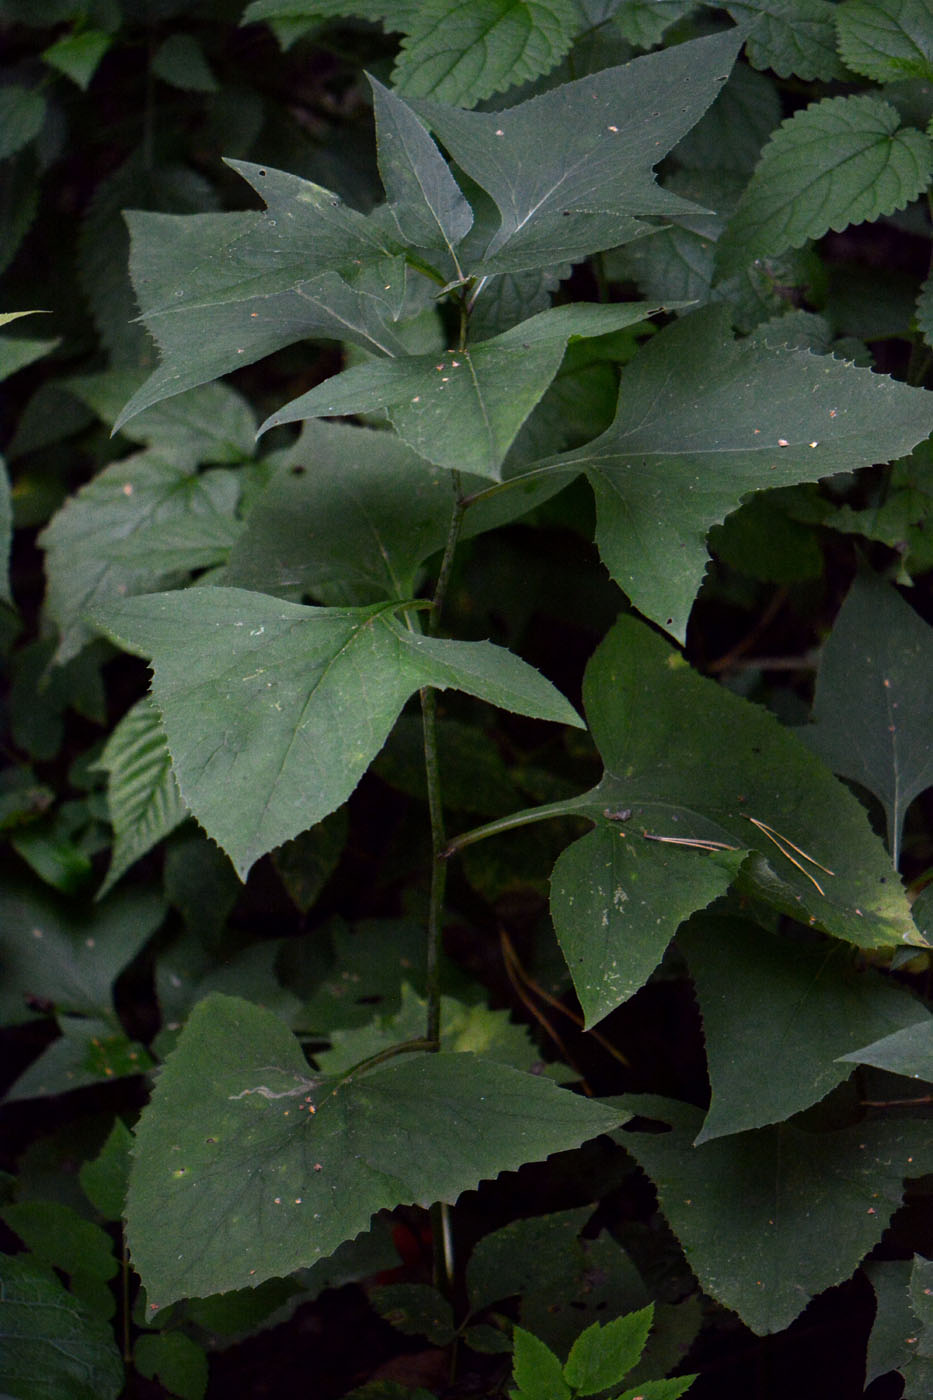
142 794
845 160
273 711
462 409
666 470
794 38
536 1370
873 705
588 188
770 1218
908 1052
774 1017
53 1348
461 54
604 1354
886 40
418 1128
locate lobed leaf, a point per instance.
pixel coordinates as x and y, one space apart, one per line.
845 160
250 1166
886 40
273 711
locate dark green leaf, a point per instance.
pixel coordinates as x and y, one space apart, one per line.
6 534
908 1052
462 54
273 711
873 705
22 113
887 40
177 1360
668 469
901 1334
845 160
731 134
78 55
645 22
775 1015
462 409
588 187
53 1348
104 1179
210 424
180 60
416 1309
88 1051
791 37
238 1090
59 1237
742 1206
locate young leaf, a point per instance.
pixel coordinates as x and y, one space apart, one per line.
587 187
603 1355
873 704
424 197
142 794
323 1154
666 470
908 1052
887 40
759 1238
845 160
737 780
536 1370
461 54
78 55
273 711
53 1348
794 38
775 1015
142 523
219 291
462 409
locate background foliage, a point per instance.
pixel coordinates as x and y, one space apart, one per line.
632 493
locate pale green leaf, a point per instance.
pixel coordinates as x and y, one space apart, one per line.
418 1128
53 953
219 291
142 795
461 54
619 893
670 1389
770 1218
775 1015
22 114
88 1051
78 55
426 202
794 38
586 187
142 523
463 409
273 711
53 1348
604 1354
873 705
886 40
667 469
18 351
845 160
536 1370
908 1052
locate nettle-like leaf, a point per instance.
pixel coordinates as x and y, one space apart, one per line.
462 409
142 794
218 291
702 420
462 54
775 1015
845 160
736 780
589 186
873 706
886 40
273 711
794 38
770 1218
250 1166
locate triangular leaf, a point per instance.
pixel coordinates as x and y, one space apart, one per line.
908 1052
273 711
770 1218
775 1015
462 409
845 160
674 825
873 704
589 185
666 470
323 1155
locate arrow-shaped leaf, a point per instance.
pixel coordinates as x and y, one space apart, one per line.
273 711
249 1166
702 420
